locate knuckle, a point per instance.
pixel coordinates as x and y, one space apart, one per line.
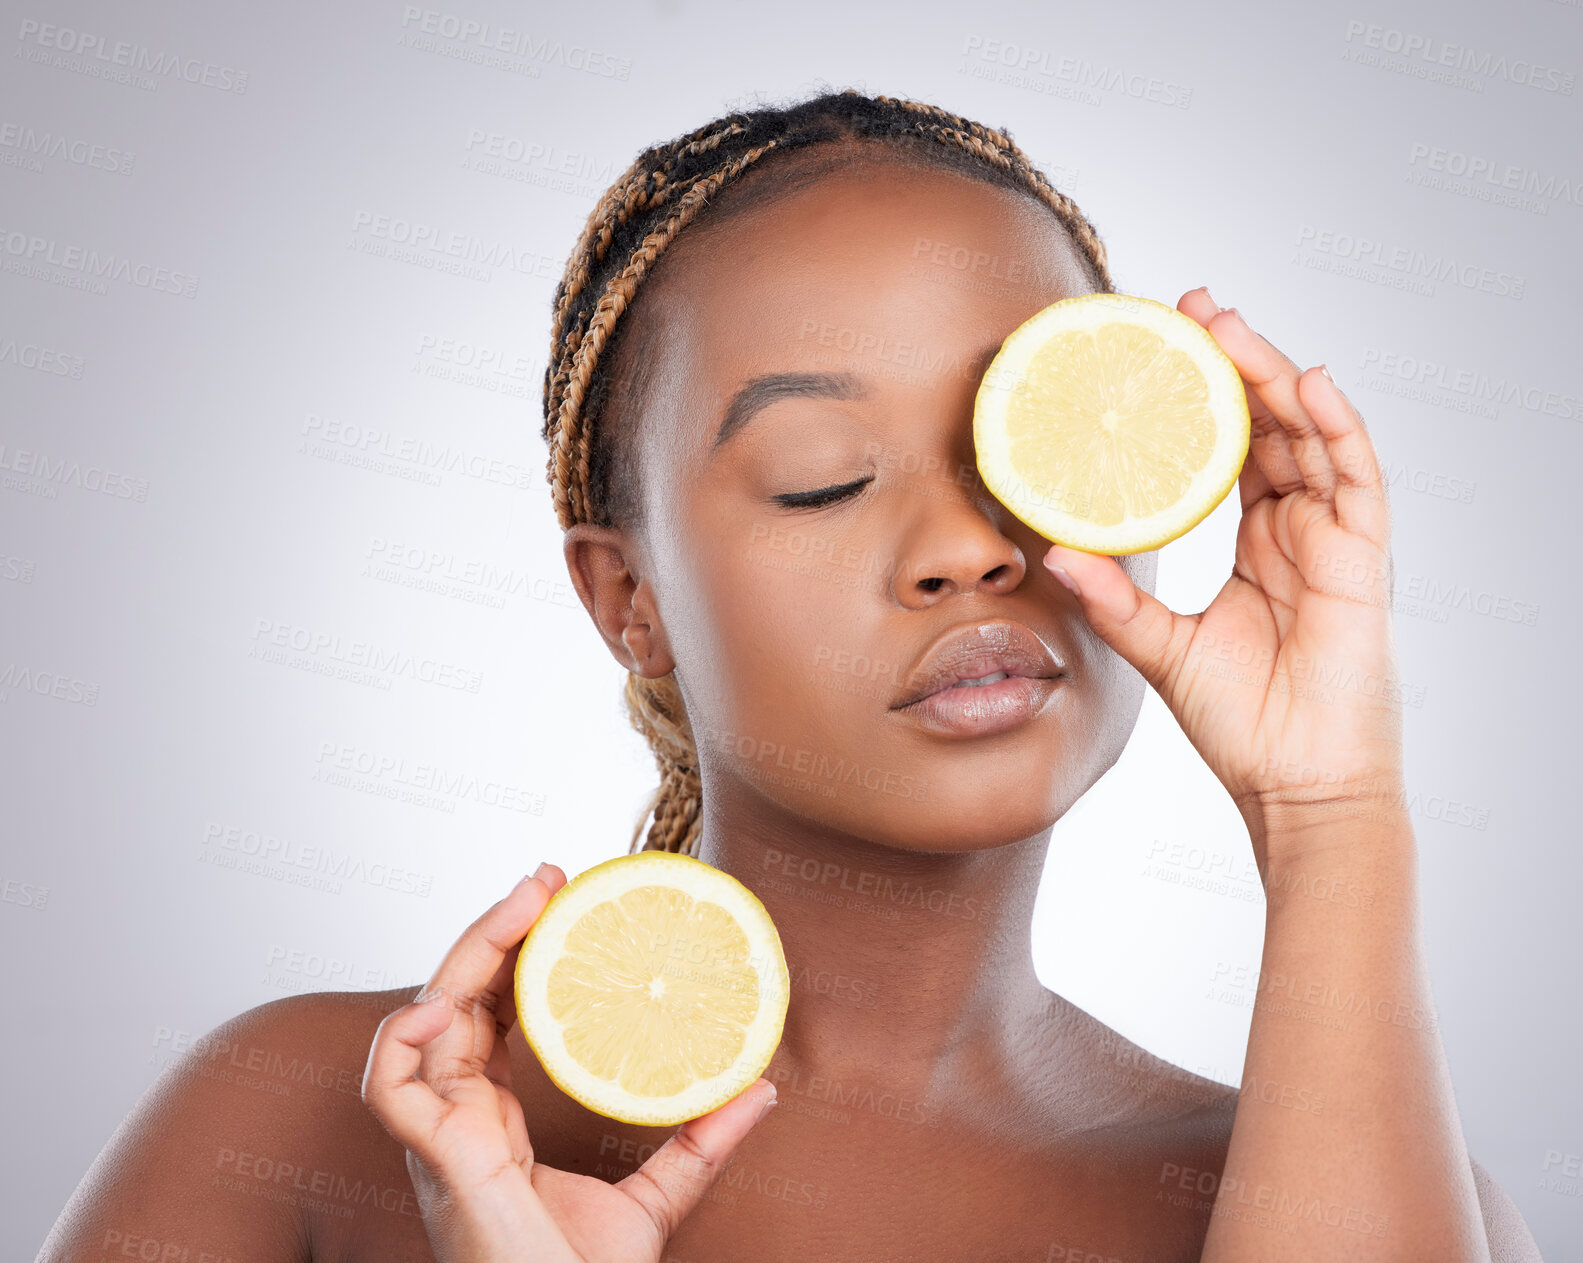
446 1078
470 1002
658 1209
691 1160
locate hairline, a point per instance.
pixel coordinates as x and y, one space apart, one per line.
625 382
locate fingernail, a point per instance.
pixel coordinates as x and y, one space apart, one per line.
769 1104
1209 296
535 873
1239 315
1326 371
1065 580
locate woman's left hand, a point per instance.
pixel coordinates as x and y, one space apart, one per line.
1286 683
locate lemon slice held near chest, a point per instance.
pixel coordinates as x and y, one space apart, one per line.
653 988
1111 423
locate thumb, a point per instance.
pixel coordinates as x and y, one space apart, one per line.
681 1171
1145 633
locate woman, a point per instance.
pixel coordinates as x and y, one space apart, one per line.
759 414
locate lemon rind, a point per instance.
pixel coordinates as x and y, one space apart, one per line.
542 947
1227 399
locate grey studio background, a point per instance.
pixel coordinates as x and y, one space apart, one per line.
206 515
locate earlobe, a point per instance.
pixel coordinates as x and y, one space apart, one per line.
644 636
598 560
639 640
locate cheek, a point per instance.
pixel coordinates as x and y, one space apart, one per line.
776 717
1141 568
1112 697
764 610
778 663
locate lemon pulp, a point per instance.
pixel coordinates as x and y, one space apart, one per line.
1111 423
632 1013
653 988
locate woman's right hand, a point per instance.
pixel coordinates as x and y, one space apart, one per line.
439 1079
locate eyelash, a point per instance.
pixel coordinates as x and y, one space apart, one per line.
823 496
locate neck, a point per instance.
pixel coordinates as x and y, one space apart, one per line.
898 959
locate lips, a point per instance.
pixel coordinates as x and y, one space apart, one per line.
977 649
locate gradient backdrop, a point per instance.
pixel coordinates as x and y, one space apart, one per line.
221 327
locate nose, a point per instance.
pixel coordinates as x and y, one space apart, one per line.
956 543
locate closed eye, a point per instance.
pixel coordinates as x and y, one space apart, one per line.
825 495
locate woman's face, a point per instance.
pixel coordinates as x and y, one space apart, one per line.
794 631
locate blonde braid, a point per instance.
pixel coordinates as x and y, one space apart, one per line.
656 710
663 191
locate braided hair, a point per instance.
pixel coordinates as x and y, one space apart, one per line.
663 191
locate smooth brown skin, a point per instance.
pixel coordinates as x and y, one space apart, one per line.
1005 1123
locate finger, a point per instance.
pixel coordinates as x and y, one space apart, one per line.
1285 441
1267 450
476 976
406 1105
681 1171
516 1129
1198 304
498 1068
1148 636
1362 505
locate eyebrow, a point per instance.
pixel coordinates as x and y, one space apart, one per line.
758 393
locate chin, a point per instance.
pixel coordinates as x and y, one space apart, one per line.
973 822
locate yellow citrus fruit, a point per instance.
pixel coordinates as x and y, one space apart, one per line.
1111 423
653 988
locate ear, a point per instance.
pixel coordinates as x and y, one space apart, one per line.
602 563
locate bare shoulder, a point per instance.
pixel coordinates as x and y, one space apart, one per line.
1510 1240
248 1145
1130 1086
1182 1118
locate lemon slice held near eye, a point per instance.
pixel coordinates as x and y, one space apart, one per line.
653 988
1111 423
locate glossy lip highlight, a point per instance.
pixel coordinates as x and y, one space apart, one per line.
977 649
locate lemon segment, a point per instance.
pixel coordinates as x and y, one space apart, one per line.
1111 423
653 988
